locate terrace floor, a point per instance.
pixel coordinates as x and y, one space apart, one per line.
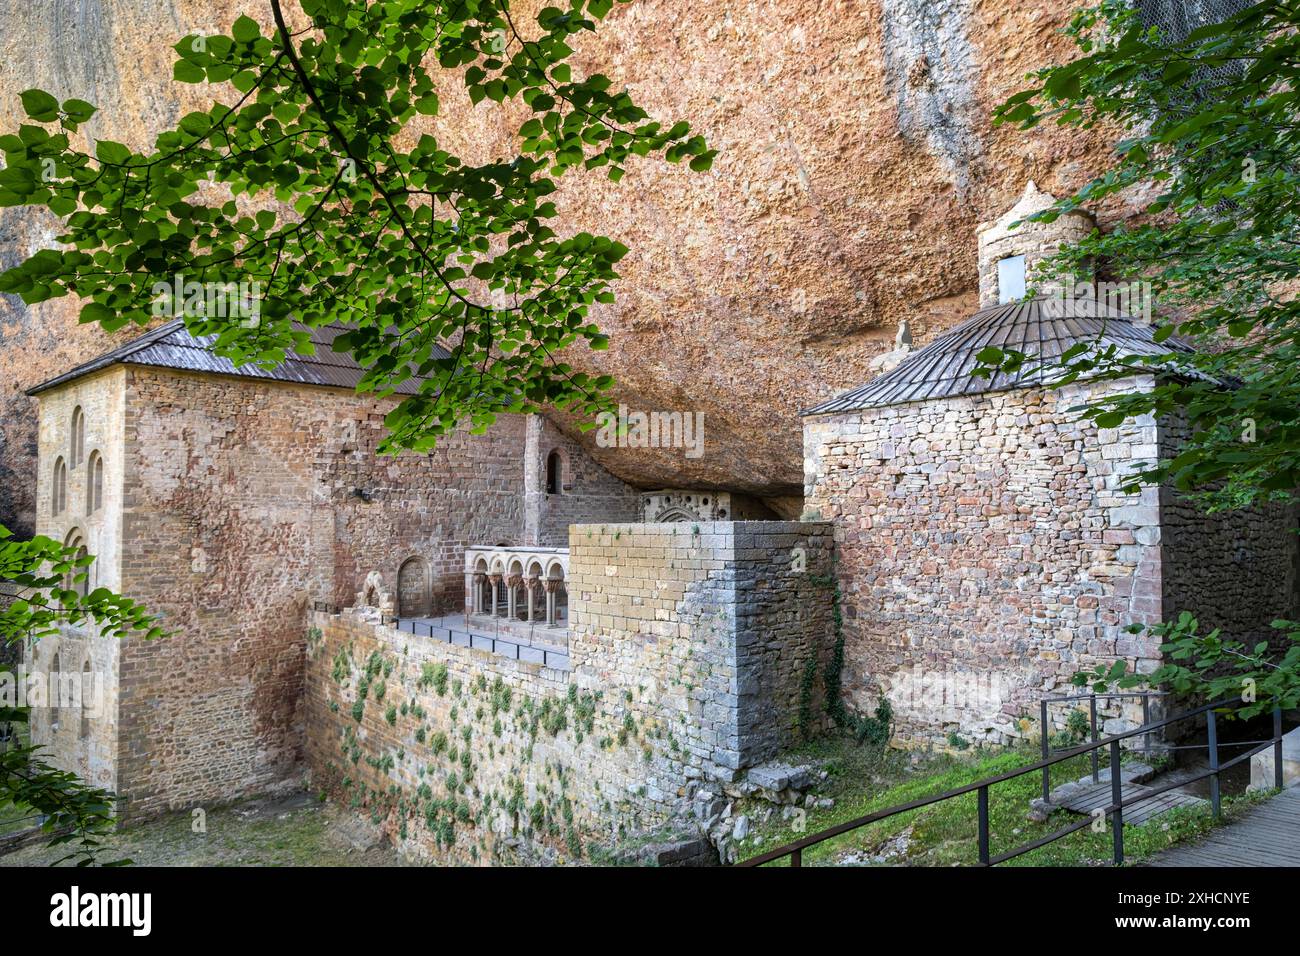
536 643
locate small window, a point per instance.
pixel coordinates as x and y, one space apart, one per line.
85 698
70 583
55 684
1011 279
77 451
554 473
95 483
59 491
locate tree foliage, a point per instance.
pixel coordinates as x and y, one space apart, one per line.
1213 667
46 581
44 590
1208 146
315 180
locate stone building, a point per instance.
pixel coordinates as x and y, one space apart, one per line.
227 500
985 550
667 641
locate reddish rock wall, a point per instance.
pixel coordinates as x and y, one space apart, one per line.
856 159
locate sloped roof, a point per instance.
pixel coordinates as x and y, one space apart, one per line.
172 346
1042 328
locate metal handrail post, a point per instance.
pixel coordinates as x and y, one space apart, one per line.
1042 734
1277 748
984 825
1146 719
1092 727
1117 804
1212 743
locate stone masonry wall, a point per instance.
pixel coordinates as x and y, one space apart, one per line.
985 553
1233 570
688 648
243 501
85 739
588 492
637 590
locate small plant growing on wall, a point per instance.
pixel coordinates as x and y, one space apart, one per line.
435 676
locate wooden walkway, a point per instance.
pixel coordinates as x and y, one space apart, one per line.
1267 836
1140 804
1138 808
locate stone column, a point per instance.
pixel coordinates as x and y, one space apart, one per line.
476 602
496 585
529 585
552 586
512 585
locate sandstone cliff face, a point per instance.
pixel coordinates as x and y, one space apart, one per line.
857 157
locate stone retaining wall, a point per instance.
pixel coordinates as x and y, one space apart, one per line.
689 648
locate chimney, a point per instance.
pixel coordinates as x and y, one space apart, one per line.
1007 256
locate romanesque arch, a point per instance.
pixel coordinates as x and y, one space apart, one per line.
95 483
85 699
59 487
557 468
77 542
77 438
413 598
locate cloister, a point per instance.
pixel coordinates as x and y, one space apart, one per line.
525 584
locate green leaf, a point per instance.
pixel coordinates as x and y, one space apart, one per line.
245 29
39 105
110 152
94 312
78 110
183 71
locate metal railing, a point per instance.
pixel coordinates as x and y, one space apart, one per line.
497 645
528 653
1044 728
1115 810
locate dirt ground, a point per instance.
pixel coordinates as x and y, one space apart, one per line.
297 830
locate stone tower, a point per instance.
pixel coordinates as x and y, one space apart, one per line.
1010 252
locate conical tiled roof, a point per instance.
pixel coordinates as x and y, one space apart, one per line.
1042 328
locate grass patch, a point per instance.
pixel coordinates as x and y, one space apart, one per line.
945 834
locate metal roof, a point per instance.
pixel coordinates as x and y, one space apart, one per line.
172 346
1042 328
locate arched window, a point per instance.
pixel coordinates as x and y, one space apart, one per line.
85 699
555 473
95 483
77 450
70 583
59 490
